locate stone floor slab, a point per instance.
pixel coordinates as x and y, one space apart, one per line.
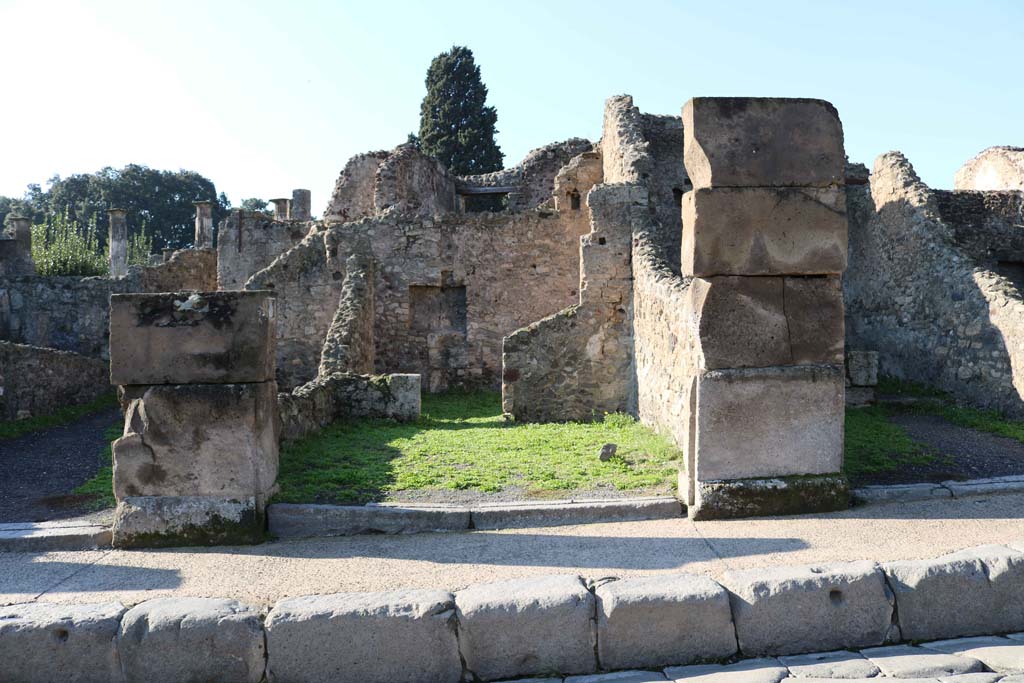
841 664
906 661
767 670
998 654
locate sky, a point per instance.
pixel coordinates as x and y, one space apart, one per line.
264 97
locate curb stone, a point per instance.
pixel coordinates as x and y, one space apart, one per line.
896 493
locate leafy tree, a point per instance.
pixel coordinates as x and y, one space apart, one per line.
256 204
456 125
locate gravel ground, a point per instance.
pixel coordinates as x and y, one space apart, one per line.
38 470
960 453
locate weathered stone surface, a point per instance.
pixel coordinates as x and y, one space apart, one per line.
192 338
749 671
764 231
35 381
191 639
769 422
396 637
72 643
986 487
814 311
654 621
171 521
904 661
527 627
830 665
738 498
862 367
998 654
789 610
973 592
619 677
762 142
198 440
995 168
38 537
900 493
558 513
305 520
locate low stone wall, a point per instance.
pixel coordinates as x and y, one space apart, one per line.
36 381
186 269
544 626
317 404
249 241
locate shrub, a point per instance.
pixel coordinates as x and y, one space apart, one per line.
64 247
140 246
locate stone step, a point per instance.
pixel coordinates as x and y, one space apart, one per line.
36 537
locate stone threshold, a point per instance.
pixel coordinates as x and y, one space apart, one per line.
294 520
927 621
67 534
901 493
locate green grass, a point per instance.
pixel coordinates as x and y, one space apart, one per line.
874 444
462 442
101 486
14 428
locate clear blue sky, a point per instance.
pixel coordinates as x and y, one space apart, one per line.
264 97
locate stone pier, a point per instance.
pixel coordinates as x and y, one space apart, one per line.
204 225
16 251
281 208
117 242
199 455
301 205
764 237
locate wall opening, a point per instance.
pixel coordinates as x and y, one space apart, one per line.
574 199
494 202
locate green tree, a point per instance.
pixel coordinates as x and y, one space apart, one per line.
255 204
456 125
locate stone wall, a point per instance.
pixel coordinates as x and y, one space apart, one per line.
186 269
349 344
248 242
36 381
353 191
928 286
412 183
996 168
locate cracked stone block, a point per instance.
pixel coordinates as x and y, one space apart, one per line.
67 643
968 593
527 627
767 321
830 665
905 661
769 422
862 367
790 610
406 636
764 231
192 337
766 670
1002 655
191 639
653 621
762 142
216 440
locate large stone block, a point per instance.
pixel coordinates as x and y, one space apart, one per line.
738 498
764 231
67 643
198 440
969 593
659 620
769 422
789 610
762 142
397 637
192 337
191 639
758 322
527 627
174 521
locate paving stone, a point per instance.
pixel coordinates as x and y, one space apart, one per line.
899 492
191 639
66 643
998 654
841 664
394 637
286 520
905 661
620 677
522 515
985 487
767 670
527 627
44 537
790 610
1015 636
980 677
654 621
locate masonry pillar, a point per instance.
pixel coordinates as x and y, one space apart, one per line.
117 241
204 225
281 206
198 458
764 239
16 252
301 205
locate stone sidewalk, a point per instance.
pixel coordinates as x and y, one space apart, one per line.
266 573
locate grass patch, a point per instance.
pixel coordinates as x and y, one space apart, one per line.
101 485
874 445
461 442
14 428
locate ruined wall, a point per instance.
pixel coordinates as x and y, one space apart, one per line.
340 396
36 381
353 192
996 168
925 291
186 269
349 343
667 183
410 182
248 242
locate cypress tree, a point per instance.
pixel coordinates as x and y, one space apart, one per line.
456 125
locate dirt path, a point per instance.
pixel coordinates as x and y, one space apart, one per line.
38 470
